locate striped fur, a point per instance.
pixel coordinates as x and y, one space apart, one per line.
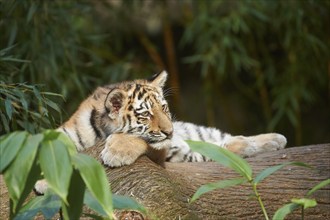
133 118
138 108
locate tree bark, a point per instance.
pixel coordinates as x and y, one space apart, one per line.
166 192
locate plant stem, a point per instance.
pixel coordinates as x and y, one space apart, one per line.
260 201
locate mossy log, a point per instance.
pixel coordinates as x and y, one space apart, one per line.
166 192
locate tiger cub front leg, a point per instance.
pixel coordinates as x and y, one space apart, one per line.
248 146
122 149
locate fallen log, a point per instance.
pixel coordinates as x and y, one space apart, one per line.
166 192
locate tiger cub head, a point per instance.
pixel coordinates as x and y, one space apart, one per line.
139 108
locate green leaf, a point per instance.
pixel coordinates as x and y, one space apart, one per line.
4 122
284 211
125 202
56 166
92 203
222 156
53 105
318 186
9 147
49 205
95 179
75 197
17 173
9 108
50 135
37 93
306 203
67 142
268 171
33 176
217 185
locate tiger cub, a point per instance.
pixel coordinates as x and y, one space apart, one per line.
134 119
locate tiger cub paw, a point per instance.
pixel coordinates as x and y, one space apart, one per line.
264 143
122 149
249 146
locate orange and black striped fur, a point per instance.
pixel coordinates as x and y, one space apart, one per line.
134 119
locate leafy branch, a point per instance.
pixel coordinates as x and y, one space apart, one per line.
73 179
27 107
233 161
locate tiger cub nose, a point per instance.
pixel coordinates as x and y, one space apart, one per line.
168 133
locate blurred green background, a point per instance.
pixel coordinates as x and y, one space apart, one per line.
244 66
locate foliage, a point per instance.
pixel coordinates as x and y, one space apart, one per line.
43 45
240 41
27 107
24 157
231 160
266 58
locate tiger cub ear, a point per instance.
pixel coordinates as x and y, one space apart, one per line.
159 79
114 102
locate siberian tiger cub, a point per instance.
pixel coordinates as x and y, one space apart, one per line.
134 119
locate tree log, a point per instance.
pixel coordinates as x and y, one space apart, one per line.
166 192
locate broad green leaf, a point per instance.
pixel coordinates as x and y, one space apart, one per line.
222 156
33 176
56 166
67 142
284 211
50 135
268 171
318 186
125 202
94 176
306 203
10 144
75 197
57 135
17 173
217 185
49 205
92 203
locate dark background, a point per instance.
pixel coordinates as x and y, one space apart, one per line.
246 67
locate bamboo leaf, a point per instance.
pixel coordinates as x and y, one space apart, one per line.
94 176
319 186
49 205
53 105
9 108
217 185
268 171
4 122
67 142
124 202
22 165
56 166
284 211
306 203
222 156
9 147
92 203
75 197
